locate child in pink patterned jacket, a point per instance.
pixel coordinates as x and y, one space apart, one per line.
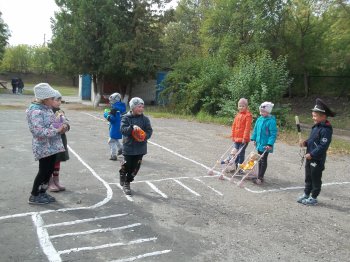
46 142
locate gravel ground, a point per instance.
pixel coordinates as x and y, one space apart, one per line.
177 212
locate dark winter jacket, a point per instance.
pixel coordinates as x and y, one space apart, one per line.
318 142
130 145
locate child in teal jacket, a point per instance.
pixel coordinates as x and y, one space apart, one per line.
264 137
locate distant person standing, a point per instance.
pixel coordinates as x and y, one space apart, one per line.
14 83
20 86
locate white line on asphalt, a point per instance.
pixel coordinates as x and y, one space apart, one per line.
291 188
127 197
108 188
186 187
156 189
44 239
93 231
155 253
80 221
78 249
216 191
98 118
179 155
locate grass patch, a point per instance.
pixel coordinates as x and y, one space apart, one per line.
163 112
9 107
64 90
286 135
82 107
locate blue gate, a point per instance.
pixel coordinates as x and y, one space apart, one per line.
86 87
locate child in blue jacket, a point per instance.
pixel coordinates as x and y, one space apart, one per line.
113 116
264 137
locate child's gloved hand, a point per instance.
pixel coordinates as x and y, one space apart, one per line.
308 156
268 148
61 129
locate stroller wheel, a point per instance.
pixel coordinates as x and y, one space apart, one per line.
221 177
240 184
210 172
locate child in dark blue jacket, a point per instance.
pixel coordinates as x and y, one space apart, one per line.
134 147
316 151
113 116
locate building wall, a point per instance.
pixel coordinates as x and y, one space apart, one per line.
146 91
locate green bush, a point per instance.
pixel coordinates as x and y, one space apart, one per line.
258 78
196 85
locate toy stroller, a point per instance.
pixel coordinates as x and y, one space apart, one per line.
227 161
248 169
229 164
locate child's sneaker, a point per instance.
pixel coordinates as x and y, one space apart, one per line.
258 181
38 200
114 158
310 201
303 197
47 196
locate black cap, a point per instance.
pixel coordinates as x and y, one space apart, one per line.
321 107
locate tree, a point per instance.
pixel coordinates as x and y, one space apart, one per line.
337 39
232 27
4 36
41 60
304 37
17 59
27 59
115 39
181 35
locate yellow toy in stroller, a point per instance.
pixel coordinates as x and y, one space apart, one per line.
249 168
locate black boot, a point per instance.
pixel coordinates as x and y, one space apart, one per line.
122 178
126 188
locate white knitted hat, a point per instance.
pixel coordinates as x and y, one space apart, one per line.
135 101
58 94
115 97
266 106
43 91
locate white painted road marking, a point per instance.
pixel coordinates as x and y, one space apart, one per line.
44 239
156 189
133 242
93 231
216 191
84 220
152 254
186 187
